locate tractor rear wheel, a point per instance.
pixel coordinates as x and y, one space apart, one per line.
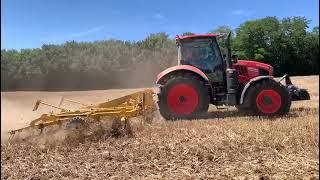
183 96
268 98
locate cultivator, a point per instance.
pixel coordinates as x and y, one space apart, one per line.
121 109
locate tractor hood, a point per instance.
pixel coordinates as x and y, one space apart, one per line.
255 64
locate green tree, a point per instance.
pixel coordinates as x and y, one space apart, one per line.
222 30
282 43
156 41
257 34
260 54
292 33
315 30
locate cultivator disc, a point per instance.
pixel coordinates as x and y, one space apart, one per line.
77 123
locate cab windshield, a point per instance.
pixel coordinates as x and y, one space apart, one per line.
202 54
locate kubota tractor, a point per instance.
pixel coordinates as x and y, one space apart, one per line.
203 76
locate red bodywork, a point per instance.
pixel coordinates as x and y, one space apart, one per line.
246 70
250 69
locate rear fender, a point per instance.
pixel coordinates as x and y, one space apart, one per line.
252 81
180 68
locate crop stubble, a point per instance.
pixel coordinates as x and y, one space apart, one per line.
225 144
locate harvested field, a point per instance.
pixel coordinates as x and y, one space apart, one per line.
225 145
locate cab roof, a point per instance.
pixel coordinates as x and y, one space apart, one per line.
197 36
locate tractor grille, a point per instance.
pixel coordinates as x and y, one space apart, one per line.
242 70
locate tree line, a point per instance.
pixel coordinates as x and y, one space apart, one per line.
286 44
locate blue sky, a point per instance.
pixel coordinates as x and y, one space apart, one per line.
31 23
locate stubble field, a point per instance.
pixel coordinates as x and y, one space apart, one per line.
225 145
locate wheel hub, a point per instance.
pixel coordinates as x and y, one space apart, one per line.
267 100
182 99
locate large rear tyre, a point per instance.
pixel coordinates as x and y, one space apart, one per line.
183 96
268 98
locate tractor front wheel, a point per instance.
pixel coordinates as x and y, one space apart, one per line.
268 98
183 96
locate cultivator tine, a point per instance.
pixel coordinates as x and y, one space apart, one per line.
61 101
36 106
41 127
127 128
10 137
59 123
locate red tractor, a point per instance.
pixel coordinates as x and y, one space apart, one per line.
204 76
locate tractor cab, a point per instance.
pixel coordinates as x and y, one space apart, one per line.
203 53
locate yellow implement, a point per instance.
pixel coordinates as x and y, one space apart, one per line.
137 104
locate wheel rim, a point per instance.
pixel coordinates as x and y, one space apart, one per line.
182 99
268 101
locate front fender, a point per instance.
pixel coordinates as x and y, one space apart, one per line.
252 81
161 76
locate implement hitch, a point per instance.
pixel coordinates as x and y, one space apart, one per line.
296 93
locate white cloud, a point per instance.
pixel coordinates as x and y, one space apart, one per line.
88 32
241 12
55 39
159 16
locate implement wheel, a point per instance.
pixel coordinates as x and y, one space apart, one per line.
268 98
183 97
